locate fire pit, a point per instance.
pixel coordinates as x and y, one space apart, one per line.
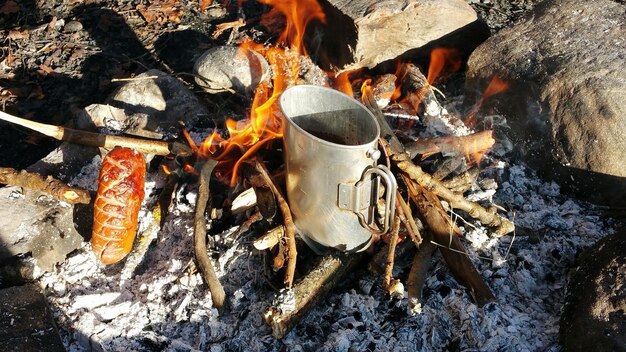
312 217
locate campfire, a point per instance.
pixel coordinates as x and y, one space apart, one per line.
242 156
332 169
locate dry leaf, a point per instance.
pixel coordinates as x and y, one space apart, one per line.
18 35
9 7
161 12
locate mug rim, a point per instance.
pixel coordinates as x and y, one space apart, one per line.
321 140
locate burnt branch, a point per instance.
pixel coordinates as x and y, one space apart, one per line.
290 227
330 270
417 276
49 185
445 234
199 236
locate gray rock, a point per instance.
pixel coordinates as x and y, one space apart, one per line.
594 315
36 223
26 322
566 104
72 27
384 30
227 68
145 106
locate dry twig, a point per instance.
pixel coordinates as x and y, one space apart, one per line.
290 227
392 286
199 236
49 185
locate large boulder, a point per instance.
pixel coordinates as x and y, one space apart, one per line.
566 105
594 316
373 32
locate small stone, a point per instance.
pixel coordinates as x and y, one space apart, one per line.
72 27
227 68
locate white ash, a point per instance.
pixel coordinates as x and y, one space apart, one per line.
164 304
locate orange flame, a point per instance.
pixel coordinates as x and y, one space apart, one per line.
298 14
248 136
478 146
441 58
496 86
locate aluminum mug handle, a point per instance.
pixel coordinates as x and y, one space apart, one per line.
364 196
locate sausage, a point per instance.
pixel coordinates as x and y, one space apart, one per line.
117 204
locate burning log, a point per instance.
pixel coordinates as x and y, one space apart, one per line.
199 236
473 144
49 185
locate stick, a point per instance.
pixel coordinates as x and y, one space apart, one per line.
417 276
270 238
49 185
330 270
471 144
445 234
199 237
406 216
290 227
392 286
501 225
146 146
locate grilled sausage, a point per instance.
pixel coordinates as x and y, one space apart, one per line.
116 208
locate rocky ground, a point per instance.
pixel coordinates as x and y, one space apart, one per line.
60 56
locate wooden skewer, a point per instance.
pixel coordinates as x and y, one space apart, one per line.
146 146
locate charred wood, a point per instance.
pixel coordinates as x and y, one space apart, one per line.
49 185
445 235
288 310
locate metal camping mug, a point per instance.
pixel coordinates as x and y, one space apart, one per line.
333 182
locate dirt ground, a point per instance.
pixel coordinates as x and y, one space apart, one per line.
59 56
